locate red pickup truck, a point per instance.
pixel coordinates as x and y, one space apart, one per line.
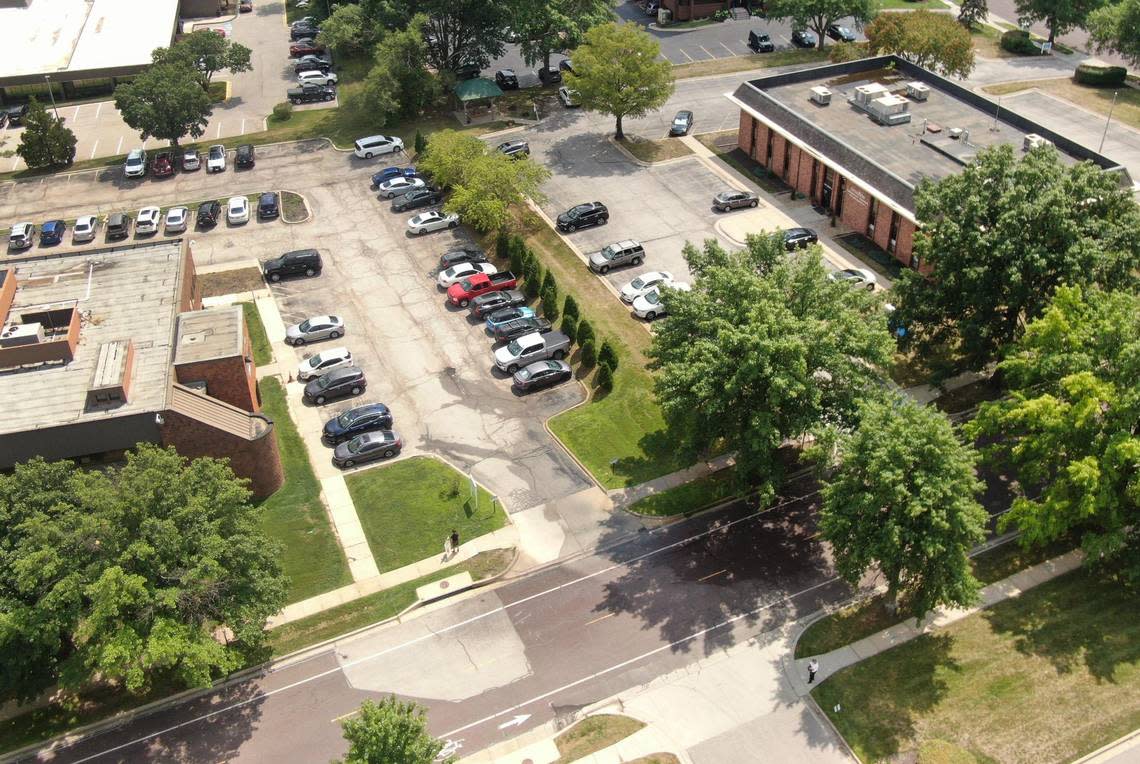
471 287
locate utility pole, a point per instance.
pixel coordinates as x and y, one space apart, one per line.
51 93
1104 135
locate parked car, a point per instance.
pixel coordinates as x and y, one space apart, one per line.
489 302
148 220
652 7
461 271
22 236
426 222
300 262
462 255
312 63
310 94
245 6
305 48
375 145
299 32
643 283
305 20
268 206
521 327
628 252
316 77
421 197
356 421
503 315
803 38
732 200
314 329
566 65
840 32
568 97
243 157
324 362
237 210
760 41
216 158
541 374
118 226
191 159
177 218
799 237
135 166
85 229
390 189
530 348
860 277
208 214
390 173
336 384
653 304
682 123
583 216
15 114
467 289
507 79
382 444
468 71
163 164
51 233
548 75
514 149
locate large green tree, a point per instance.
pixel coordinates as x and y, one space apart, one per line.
166 102
1060 16
972 12
818 15
545 26
449 154
45 142
125 574
207 53
1000 236
901 500
349 30
1070 428
390 732
931 40
764 348
462 32
617 71
1116 27
399 84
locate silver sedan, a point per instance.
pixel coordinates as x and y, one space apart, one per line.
315 328
732 200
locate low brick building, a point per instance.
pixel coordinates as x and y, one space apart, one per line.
856 138
106 348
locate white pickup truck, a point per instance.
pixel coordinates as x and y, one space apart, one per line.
530 348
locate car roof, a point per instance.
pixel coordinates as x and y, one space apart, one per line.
506 71
330 352
346 372
625 244
382 436
267 195
300 253
367 408
238 200
208 205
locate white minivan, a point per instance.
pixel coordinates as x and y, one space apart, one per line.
375 145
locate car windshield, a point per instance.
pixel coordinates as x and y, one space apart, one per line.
466 285
312 362
653 298
639 283
356 444
523 373
305 325
514 348
578 211
215 152
608 253
325 381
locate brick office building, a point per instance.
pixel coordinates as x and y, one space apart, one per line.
856 138
106 348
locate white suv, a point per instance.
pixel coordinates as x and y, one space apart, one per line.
374 145
316 78
216 158
135 166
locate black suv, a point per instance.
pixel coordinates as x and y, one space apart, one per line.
760 42
467 71
347 380
311 93
355 421
16 114
301 262
507 79
800 238
208 214
267 206
118 226
243 157
548 75
515 149
583 216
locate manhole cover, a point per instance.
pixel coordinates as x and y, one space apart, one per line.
444 584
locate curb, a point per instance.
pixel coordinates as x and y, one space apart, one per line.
641 162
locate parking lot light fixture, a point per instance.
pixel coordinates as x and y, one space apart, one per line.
51 94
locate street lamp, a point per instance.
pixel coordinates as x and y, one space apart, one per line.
47 79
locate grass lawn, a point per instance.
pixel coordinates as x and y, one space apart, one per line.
655 150
657 758
688 497
869 616
748 63
230 282
294 516
293 209
408 508
594 733
377 607
1093 99
218 91
1045 677
262 350
926 5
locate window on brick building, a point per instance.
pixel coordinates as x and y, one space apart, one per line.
752 142
872 216
892 240
768 153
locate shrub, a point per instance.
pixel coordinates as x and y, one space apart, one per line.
605 378
549 283
503 244
589 355
585 332
517 253
420 143
283 111
1018 41
570 327
530 260
550 301
721 15
532 278
842 52
570 307
1099 75
607 355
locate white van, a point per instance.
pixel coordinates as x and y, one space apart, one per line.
374 145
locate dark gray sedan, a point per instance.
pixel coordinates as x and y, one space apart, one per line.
382 444
732 200
541 374
347 380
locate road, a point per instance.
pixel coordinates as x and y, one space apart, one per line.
541 646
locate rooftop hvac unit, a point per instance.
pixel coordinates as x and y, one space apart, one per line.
864 94
1033 140
917 91
13 335
890 110
821 95
955 132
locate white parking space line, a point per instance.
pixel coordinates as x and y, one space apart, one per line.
75 116
731 52
785 39
93 149
242 127
15 162
119 148
686 55
98 109
706 50
218 133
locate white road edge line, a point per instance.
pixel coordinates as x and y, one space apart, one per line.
473 619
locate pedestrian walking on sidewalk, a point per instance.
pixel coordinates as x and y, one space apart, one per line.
813 668
446 547
454 539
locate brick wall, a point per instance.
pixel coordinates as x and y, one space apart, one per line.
744 133
856 205
683 10
258 461
904 246
226 379
190 297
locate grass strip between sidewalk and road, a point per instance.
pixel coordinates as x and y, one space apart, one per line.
655 149
1047 676
688 497
377 607
294 516
258 340
593 734
408 508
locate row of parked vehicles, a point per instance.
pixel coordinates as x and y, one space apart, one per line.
163 164
313 67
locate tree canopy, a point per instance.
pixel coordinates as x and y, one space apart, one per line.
349 30
388 732
399 83
971 12
1069 429
1000 236
1116 27
902 501
166 102
207 53
124 574
45 142
764 348
818 15
462 32
933 41
544 26
617 71
1060 16
448 155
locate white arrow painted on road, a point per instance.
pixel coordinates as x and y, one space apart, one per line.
515 722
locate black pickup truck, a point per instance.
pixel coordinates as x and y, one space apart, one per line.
311 93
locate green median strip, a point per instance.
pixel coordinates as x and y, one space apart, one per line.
688 497
262 350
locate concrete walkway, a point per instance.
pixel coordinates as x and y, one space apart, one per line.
624 497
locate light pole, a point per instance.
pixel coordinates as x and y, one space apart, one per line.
51 94
1107 121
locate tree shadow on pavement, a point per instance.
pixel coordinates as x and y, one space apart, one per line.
213 738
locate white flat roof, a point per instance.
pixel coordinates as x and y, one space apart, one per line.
63 36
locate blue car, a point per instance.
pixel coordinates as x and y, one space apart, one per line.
500 317
392 172
51 233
